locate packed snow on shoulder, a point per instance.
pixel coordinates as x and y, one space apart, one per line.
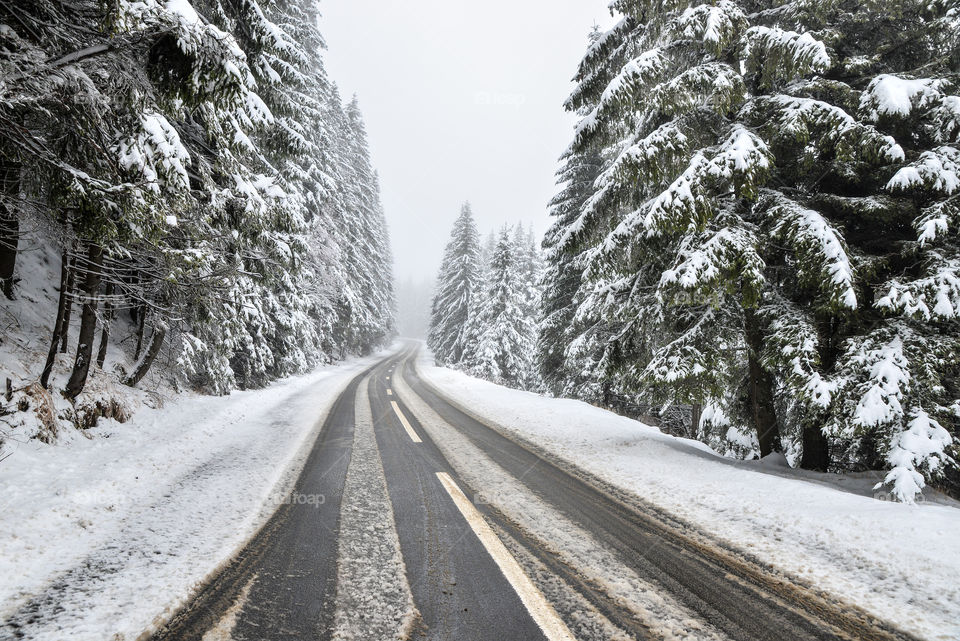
106 536
831 531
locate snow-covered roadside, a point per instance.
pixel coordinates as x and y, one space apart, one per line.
114 532
898 561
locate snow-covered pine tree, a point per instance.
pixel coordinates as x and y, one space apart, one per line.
531 270
366 306
733 237
505 347
562 275
93 124
473 329
377 259
187 152
454 302
670 261
867 332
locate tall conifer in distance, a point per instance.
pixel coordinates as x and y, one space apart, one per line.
505 347
457 289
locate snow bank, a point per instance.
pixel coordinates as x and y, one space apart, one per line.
108 535
898 561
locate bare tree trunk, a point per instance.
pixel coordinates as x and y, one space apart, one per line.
141 324
68 309
58 324
816 448
760 393
696 413
105 331
88 323
153 349
9 226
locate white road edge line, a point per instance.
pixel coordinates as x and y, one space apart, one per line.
406 424
553 627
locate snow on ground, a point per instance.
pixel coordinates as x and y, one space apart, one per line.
898 561
26 326
374 600
108 535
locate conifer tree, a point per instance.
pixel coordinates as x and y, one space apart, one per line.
454 303
562 277
197 166
505 347
731 239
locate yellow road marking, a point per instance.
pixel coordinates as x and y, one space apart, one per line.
406 424
542 612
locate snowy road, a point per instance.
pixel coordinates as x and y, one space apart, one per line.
414 520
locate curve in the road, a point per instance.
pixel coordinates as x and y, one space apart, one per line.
734 594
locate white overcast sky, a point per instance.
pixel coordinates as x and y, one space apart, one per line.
463 101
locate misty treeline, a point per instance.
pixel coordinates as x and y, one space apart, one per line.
484 313
200 177
758 226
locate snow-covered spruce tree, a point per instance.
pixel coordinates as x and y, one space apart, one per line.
365 304
734 236
473 328
561 278
189 147
371 245
275 238
530 268
587 337
870 152
504 350
454 302
669 257
87 126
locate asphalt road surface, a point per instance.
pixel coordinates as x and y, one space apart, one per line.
498 542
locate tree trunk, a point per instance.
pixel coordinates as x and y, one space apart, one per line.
58 324
760 392
105 331
153 349
88 323
141 323
816 450
68 309
9 226
696 413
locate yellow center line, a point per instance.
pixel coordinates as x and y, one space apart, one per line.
406 424
553 627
